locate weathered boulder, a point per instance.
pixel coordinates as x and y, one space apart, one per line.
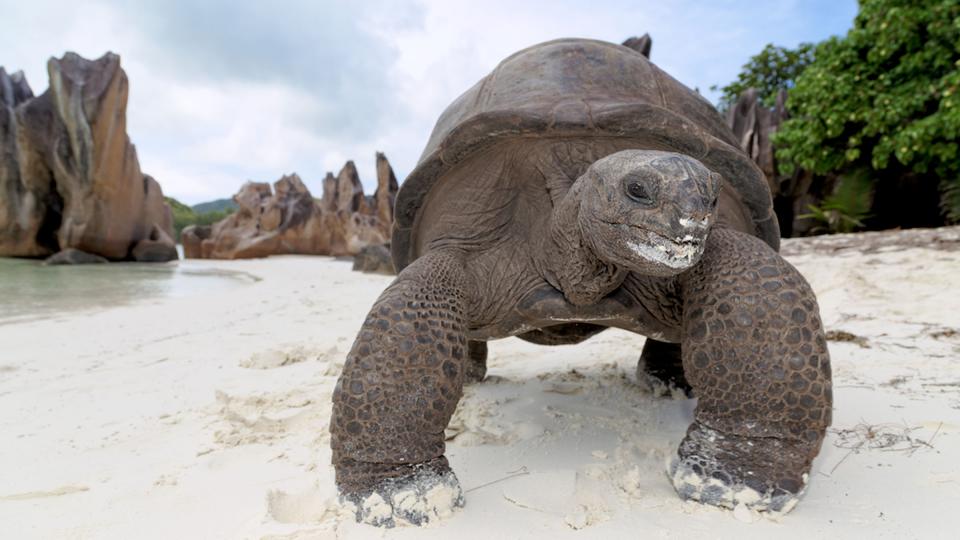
158 247
329 197
14 89
754 124
24 193
192 238
374 259
350 190
69 176
73 256
288 220
386 193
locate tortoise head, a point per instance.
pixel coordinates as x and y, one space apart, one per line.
648 211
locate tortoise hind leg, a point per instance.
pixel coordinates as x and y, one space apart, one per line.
476 361
661 368
399 387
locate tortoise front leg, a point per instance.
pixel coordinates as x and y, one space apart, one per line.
755 353
399 387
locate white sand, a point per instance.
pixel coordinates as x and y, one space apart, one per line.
206 417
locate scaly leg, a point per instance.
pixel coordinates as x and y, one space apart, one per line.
755 353
399 387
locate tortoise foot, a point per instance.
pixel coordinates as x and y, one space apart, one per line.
417 495
659 385
660 370
476 365
763 474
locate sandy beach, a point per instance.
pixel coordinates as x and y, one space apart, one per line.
206 415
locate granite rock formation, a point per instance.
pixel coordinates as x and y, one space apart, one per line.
288 220
73 256
69 176
386 193
754 124
374 259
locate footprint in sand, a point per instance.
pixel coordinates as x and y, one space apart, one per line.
479 420
578 498
267 417
287 356
312 506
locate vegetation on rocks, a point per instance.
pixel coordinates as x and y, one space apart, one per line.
184 215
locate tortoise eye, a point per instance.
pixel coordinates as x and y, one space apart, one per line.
638 192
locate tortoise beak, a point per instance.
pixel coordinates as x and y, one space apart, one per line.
676 253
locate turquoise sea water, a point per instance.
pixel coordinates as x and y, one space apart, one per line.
29 290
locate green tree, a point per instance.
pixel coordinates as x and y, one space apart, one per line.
882 98
183 216
774 69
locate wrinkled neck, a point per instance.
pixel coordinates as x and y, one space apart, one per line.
570 261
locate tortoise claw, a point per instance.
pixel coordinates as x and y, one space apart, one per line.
425 494
764 474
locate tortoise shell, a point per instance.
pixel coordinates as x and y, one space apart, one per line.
582 89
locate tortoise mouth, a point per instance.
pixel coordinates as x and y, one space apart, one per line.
676 253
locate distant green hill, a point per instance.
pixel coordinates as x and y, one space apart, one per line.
218 205
184 215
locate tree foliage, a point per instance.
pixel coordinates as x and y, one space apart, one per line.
183 216
773 69
882 98
846 208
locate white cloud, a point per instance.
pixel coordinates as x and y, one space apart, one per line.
222 92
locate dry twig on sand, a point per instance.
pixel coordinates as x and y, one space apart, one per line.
842 335
882 437
522 471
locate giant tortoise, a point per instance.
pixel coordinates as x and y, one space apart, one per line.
578 187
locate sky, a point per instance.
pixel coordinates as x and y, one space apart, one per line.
222 92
